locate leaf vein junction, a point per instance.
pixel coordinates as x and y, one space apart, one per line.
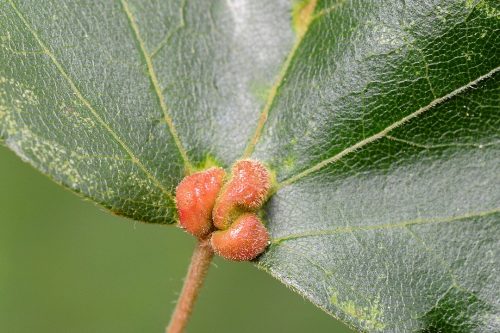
155 83
78 93
169 35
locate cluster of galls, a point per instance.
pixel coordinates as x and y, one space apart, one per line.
227 212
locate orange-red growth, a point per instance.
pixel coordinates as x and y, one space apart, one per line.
245 239
195 199
227 212
247 190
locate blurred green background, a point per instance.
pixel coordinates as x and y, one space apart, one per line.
68 266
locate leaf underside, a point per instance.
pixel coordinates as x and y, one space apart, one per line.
380 118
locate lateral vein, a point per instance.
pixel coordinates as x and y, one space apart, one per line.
77 92
156 85
388 129
405 224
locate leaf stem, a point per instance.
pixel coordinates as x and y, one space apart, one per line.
198 268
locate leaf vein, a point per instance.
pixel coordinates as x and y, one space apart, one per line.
271 97
388 129
80 96
387 226
169 35
155 83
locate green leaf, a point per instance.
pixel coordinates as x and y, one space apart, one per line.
380 118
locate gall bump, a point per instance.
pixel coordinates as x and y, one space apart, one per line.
195 198
245 239
246 190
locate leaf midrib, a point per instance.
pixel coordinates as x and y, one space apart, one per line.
271 97
94 113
